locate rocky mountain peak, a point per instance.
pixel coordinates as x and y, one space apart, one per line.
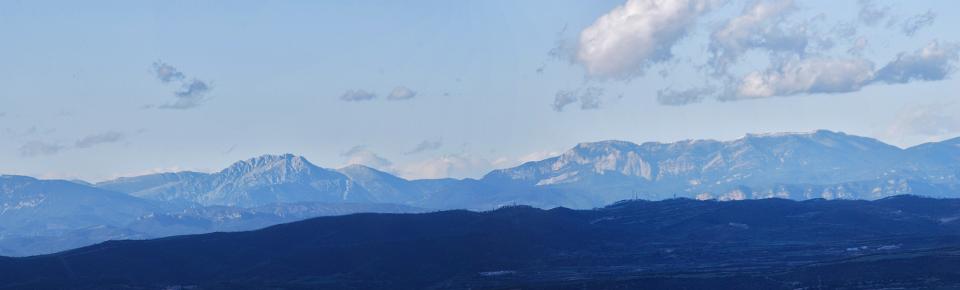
285 163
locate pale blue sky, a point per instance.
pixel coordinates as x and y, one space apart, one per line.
80 96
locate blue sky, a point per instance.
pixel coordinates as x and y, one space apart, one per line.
101 89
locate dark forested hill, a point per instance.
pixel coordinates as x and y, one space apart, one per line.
771 243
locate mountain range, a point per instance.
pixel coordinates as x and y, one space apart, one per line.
42 216
821 164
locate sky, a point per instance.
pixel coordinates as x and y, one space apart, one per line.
96 90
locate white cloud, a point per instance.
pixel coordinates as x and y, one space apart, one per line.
451 165
455 165
444 166
807 76
463 165
361 155
632 37
935 61
625 41
401 93
923 123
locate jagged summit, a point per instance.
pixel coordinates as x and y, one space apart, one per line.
270 169
256 181
271 159
286 162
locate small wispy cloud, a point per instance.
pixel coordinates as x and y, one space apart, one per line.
449 165
563 98
911 25
361 155
33 131
230 149
426 145
590 100
97 139
167 73
357 96
757 27
588 97
923 123
40 148
401 93
191 93
672 97
36 148
871 14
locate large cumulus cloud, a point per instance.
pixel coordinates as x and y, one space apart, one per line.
625 41
765 50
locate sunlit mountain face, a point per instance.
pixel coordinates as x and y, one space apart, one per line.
563 144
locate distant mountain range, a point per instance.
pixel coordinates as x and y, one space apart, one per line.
902 242
38 216
44 216
821 164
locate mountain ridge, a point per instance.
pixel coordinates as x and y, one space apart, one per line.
820 163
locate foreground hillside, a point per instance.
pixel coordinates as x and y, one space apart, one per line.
902 241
